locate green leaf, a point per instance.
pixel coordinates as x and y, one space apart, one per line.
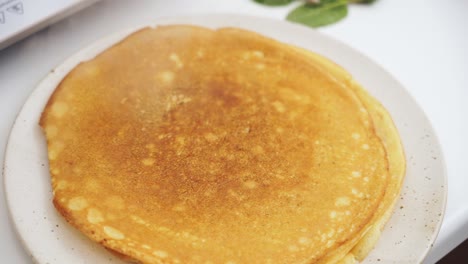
274 2
325 13
362 1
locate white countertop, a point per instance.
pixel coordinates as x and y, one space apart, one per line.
422 43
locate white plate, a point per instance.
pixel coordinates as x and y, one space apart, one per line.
407 237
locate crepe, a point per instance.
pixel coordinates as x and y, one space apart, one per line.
182 144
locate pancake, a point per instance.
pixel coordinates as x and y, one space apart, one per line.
386 130
182 144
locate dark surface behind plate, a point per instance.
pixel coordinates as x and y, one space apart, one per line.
458 255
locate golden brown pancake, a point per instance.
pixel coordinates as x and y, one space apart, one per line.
182 144
363 243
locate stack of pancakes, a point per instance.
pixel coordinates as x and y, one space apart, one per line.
182 144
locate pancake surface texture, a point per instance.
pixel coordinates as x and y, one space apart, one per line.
182 144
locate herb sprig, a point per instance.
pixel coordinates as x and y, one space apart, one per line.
316 13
